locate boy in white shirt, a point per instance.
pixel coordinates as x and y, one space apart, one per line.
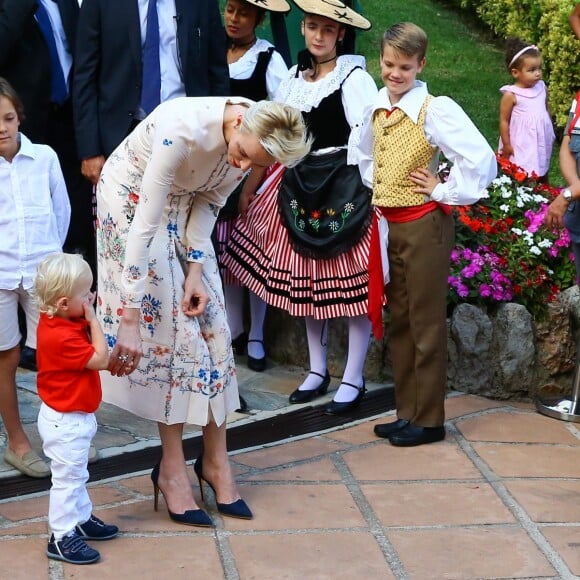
399 149
34 219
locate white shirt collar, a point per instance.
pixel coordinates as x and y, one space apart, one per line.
410 103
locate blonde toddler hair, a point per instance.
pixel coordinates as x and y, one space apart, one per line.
280 130
56 277
406 38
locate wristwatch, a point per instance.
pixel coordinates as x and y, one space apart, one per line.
567 194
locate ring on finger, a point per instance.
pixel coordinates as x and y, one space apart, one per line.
123 358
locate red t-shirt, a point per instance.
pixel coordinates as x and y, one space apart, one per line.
62 352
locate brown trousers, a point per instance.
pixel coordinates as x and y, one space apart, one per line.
419 253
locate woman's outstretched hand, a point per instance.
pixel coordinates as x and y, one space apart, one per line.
128 349
195 296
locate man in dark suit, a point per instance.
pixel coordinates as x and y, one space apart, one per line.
109 66
28 61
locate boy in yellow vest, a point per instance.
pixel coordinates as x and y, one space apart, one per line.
399 156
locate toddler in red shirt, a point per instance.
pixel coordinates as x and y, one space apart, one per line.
71 349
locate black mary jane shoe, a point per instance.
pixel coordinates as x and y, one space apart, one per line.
334 408
413 435
257 364
237 509
385 430
190 517
299 396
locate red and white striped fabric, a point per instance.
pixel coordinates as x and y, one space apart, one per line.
260 255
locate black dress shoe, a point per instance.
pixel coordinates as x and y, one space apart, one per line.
334 408
387 429
299 396
257 364
412 435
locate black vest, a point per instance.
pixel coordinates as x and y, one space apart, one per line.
255 87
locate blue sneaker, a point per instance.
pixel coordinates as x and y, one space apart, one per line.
96 529
71 549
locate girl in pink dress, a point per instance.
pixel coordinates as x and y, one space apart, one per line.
525 126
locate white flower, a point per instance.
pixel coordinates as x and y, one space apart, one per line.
535 250
545 243
505 208
517 231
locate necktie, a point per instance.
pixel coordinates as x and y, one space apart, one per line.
151 91
58 85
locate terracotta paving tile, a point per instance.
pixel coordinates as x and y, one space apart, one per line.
294 451
431 504
324 556
33 528
24 559
461 553
530 460
359 434
517 428
33 507
141 484
443 460
286 507
465 404
565 540
160 558
321 470
548 500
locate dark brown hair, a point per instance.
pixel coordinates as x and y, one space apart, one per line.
7 91
515 45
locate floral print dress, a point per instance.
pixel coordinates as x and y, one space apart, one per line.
157 201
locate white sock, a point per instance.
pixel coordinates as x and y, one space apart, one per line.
359 333
257 315
234 297
316 334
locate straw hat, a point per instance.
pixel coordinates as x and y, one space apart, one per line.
271 5
335 10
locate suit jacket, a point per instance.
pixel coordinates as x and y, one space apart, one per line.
25 62
108 66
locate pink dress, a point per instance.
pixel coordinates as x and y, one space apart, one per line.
531 131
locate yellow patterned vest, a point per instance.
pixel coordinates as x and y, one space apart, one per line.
399 148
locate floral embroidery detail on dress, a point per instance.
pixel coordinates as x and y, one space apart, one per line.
150 307
133 272
130 204
167 142
301 221
193 254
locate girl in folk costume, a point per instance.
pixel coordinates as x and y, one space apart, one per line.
304 244
256 70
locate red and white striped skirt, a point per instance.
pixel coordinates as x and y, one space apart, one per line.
260 255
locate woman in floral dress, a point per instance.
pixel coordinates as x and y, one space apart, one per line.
160 297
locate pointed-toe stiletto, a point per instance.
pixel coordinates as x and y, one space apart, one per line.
299 396
237 509
257 364
190 517
334 408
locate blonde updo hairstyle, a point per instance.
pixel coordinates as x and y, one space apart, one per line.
280 130
56 277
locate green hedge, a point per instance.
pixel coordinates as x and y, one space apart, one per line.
545 23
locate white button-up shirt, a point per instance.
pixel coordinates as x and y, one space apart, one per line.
34 212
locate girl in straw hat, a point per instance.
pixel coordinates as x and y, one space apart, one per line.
304 244
256 70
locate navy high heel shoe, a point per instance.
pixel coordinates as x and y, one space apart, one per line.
188 518
237 509
334 408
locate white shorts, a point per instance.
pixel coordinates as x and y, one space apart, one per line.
9 330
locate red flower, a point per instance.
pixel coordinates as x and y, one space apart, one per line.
315 214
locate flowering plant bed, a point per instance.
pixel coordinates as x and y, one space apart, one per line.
504 253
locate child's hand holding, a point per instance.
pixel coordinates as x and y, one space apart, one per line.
507 151
88 308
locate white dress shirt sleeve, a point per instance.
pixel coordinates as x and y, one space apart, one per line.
276 71
60 199
474 167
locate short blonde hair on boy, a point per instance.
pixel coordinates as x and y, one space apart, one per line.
280 130
56 277
406 38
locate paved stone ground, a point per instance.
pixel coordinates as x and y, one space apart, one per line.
497 499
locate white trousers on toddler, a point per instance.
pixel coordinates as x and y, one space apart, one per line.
66 438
